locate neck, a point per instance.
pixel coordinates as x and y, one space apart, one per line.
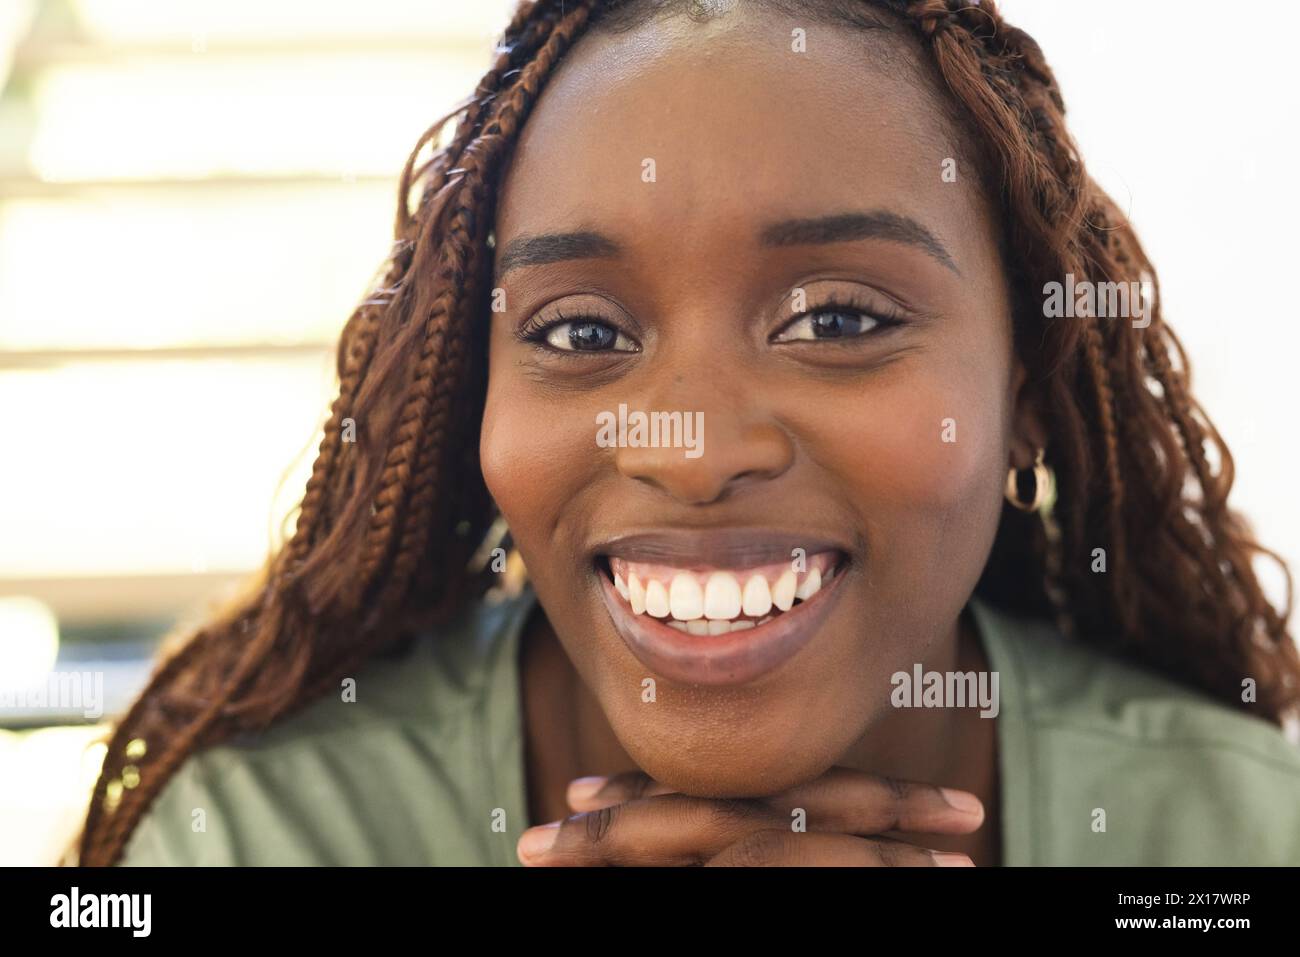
566 734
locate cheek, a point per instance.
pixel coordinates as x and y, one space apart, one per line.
921 467
923 459
534 457
933 449
517 456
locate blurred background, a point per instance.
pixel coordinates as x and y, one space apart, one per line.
195 193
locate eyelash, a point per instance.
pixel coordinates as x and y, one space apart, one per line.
884 319
536 330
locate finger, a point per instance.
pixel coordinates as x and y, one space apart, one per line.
785 848
664 830
842 799
589 794
854 802
677 829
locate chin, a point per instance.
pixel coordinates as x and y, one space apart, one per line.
754 778
727 765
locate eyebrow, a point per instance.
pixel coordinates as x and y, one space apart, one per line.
554 248
849 227
819 230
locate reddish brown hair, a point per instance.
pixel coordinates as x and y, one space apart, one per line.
387 522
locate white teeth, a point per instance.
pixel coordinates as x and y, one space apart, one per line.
636 593
701 627
722 596
715 605
758 598
656 599
685 598
783 592
812 584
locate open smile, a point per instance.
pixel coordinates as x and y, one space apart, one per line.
716 609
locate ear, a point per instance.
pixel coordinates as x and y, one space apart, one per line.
1028 421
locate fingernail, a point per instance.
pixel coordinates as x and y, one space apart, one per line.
962 801
536 841
581 789
948 859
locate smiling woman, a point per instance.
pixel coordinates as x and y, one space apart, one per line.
823 228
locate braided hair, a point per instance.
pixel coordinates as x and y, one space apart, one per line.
389 520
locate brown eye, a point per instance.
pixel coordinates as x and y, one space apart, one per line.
590 335
830 323
587 335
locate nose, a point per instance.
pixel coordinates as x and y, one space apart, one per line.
736 447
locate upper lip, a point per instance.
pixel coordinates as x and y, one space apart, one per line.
715 547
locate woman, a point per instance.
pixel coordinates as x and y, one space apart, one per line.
844 543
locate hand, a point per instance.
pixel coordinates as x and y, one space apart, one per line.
635 821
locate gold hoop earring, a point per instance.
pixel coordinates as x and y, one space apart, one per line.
1042 486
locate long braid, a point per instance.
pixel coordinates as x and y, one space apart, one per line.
409 484
1113 497
530 26
481 167
438 175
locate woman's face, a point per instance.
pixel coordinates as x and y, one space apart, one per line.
765 242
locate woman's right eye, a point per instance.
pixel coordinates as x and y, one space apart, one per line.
587 335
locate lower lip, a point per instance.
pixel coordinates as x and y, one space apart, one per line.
735 658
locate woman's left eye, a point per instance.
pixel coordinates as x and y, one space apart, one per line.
587 335
828 323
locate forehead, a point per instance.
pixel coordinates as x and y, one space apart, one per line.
686 130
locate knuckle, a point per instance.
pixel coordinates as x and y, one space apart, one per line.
898 789
888 853
759 849
898 793
729 811
598 824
